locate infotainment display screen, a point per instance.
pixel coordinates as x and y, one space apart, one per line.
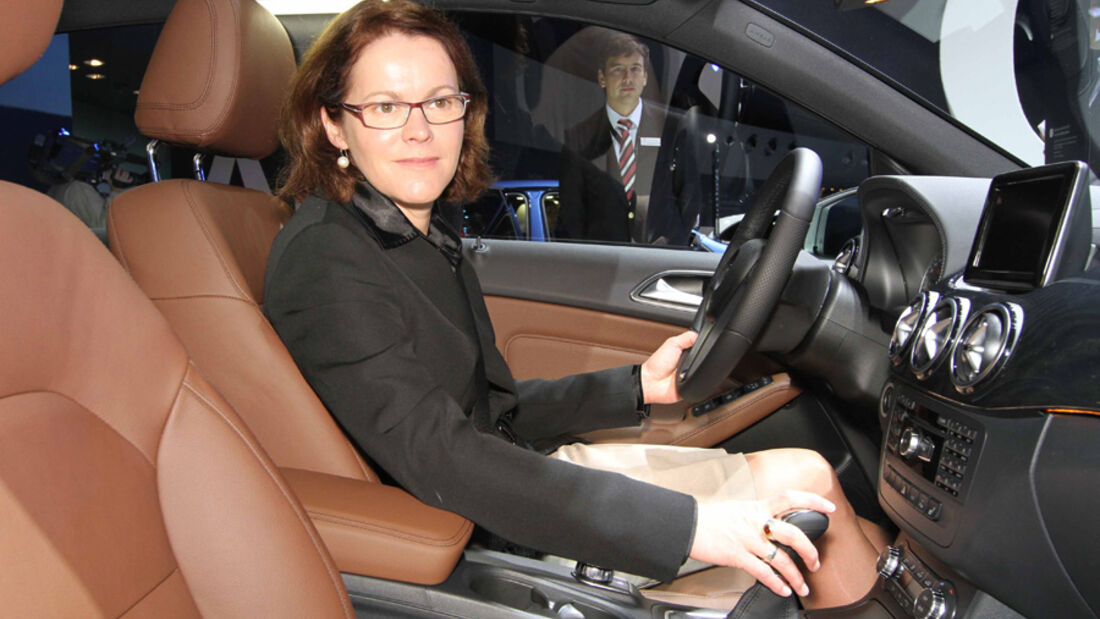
1026 238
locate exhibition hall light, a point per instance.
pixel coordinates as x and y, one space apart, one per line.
849 5
299 7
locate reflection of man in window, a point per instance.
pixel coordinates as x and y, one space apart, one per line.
623 171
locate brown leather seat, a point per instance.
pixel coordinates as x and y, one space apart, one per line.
127 484
199 251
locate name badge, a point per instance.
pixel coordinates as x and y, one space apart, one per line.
650 141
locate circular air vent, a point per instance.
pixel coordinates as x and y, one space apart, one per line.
907 324
984 346
933 337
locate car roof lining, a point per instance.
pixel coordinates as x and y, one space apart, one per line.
821 82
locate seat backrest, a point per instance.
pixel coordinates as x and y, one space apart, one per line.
127 485
199 250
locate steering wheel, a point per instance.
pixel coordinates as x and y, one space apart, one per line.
745 288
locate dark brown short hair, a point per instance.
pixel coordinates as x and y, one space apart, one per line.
622 44
322 81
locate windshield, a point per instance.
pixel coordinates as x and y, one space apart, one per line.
1023 74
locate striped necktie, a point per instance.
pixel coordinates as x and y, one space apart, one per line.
627 163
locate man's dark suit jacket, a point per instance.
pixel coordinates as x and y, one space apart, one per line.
376 316
593 203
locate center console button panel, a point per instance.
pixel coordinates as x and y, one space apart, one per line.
917 589
923 443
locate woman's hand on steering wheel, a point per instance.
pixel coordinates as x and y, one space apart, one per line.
659 371
749 279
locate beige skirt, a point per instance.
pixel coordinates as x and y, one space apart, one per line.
706 474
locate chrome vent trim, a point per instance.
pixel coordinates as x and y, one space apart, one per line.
934 337
907 324
985 345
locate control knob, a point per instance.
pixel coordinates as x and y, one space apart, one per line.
909 444
912 443
934 603
889 560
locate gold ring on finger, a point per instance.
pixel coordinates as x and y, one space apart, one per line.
769 528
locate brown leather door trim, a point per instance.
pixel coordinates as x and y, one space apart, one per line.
543 340
675 425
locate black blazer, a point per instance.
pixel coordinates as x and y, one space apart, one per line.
593 203
379 323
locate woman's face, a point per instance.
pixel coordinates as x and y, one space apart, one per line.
411 164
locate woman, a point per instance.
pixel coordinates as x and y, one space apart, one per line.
367 287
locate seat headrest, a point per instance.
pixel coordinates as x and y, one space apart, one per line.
30 26
216 78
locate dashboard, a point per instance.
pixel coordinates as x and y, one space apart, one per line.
990 408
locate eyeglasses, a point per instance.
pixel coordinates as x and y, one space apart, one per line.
395 114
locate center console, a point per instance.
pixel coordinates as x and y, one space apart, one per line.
986 419
929 451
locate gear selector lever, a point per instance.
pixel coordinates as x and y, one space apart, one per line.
759 602
812 524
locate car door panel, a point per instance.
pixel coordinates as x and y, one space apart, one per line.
546 340
547 325
590 276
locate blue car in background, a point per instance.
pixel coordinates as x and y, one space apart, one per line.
522 210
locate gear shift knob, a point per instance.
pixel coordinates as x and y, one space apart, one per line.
813 525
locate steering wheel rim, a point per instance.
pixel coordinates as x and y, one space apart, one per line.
749 279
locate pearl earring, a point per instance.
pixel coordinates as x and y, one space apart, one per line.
342 161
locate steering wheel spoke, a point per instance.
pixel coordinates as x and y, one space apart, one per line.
751 275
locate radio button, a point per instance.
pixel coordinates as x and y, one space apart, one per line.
932 510
888 401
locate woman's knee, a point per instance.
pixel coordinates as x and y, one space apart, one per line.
776 470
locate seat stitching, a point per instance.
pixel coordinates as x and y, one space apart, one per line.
368 474
90 411
175 568
397 533
113 226
199 216
313 535
204 296
220 121
201 99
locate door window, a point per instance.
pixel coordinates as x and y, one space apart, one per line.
700 142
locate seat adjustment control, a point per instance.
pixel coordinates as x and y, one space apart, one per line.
707 406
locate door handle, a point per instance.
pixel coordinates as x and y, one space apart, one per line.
683 291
